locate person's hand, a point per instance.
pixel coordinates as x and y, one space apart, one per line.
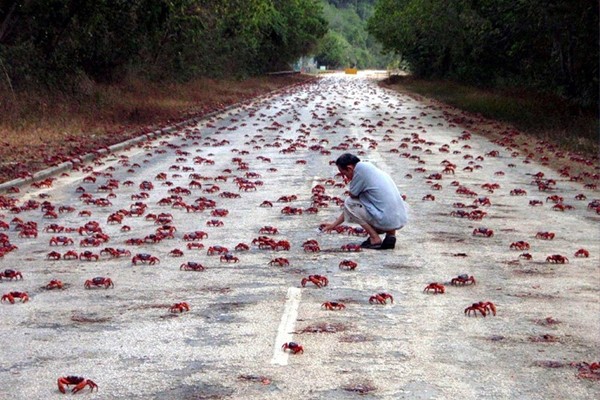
326 228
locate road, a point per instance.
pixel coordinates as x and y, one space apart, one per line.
228 345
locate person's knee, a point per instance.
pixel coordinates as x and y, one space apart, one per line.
350 205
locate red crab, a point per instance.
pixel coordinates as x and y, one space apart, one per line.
476 215
555 199
266 203
28 233
293 347
152 238
518 192
242 247
114 219
381 298
281 245
535 203
229 195
520 245
115 253
545 235
54 284
463 279
15 295
11 274
191 266
483 232
348 265
219 212
270 230
482 201
582 253
90 242
71 255
144 258
562 207
53 255
428 197
557 259
79 382
60 240
176 253
214 222
587 370
483 307
287 199
54 228
526 256
436 287
179 307
311 248
332 305
229 258
351 248
195 246
217 250
98 281
88 256
291 210
146 185
319 280
280 261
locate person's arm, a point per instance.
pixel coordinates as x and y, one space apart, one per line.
358 184
329 227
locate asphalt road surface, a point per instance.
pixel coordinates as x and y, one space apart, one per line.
228 345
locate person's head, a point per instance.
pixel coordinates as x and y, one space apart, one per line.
346 164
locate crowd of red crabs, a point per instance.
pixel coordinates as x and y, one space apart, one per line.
191 193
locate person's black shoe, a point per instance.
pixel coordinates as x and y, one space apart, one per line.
389 242
367 245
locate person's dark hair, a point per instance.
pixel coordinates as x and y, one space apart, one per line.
346 159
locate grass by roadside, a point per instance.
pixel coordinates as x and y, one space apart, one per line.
41 128
545 118
549 127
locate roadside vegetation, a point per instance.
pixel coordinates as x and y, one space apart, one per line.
44 128
544 117
347 43
531 63
550 46
75 75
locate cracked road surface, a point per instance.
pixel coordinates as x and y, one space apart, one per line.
229 344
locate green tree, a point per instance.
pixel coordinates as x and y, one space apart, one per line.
549 45
50 40
333 51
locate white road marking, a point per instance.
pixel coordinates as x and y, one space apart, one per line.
286 326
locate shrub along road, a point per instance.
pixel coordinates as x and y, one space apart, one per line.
243 306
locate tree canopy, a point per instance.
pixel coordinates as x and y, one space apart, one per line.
549 45
347 43
48 40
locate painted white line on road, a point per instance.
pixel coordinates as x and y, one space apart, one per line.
286 326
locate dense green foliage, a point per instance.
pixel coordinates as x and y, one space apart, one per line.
550 44
348 43
49 40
